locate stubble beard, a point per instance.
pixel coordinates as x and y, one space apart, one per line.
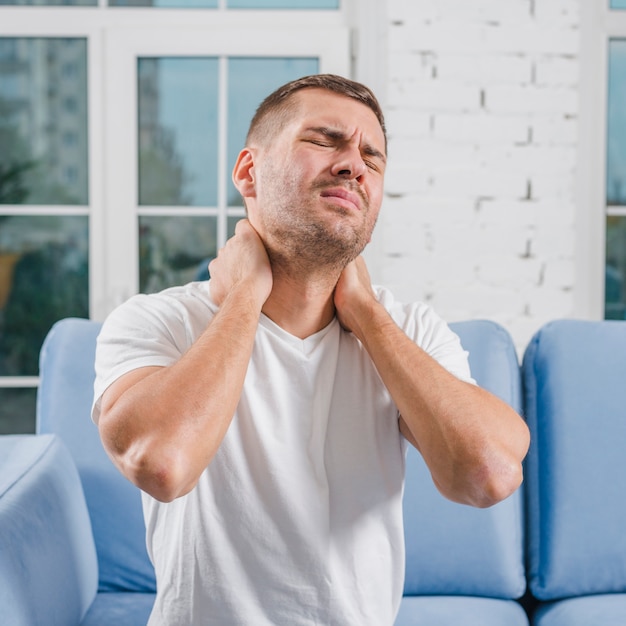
299 239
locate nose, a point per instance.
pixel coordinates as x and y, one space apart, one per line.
349 164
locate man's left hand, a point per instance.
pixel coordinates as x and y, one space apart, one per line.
353 294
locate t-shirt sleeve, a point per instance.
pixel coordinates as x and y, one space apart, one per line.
144 331
422 324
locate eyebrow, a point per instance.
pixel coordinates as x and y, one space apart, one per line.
338 135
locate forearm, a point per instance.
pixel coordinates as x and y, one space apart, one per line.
472 442
163 426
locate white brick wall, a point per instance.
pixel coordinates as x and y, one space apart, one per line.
482 103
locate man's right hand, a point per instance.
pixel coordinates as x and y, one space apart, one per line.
163 425
243 261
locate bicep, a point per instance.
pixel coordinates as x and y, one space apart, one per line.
120 386
406 432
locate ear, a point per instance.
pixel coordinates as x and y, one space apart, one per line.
243 174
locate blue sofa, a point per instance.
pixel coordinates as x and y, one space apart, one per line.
466 565
574 376
72 548
116 586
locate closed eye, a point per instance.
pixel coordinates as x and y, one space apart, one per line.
318 142
328 138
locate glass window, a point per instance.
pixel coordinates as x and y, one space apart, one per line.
17 410
616 124
174 250
169 117
40 103
84 3
232 223
178 131
179 152
615 286
230 4
175 4
43 278
615 273
249 81
283 4
43 161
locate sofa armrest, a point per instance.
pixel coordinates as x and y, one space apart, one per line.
48 565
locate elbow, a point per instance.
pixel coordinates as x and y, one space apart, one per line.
487 471
499 471
494 483
487 478
159 473
155 469
482 484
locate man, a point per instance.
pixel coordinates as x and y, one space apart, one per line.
265 415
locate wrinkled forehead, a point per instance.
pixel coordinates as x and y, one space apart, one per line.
320 108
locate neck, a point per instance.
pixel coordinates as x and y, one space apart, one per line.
301 305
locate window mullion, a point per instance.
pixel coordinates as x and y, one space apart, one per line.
222 176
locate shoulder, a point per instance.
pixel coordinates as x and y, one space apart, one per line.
418 319
428 330
172 318
170 306
150 330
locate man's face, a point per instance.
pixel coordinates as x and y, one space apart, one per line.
319 185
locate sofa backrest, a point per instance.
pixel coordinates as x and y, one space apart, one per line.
575 403
48 568
451 548
454 549
66 369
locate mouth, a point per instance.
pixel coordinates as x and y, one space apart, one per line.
342 197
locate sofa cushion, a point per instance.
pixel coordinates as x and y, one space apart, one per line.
48 568
607 610
456 549
67 373
119 609
459 610
575 402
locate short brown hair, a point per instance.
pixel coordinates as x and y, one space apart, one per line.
279 105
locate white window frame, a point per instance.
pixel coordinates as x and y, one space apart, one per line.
329 45
18 23
598 25
114 32
349 41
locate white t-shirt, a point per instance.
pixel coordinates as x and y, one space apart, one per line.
298 519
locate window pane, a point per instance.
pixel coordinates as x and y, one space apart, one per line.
17 410
88 3
174 250
618 4
178 131
231 224
231 4
177 4
283 4
615 289
43 278
249 81
43 121
616 129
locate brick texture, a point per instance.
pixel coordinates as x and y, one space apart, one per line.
482 101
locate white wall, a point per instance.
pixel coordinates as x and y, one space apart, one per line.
479 217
